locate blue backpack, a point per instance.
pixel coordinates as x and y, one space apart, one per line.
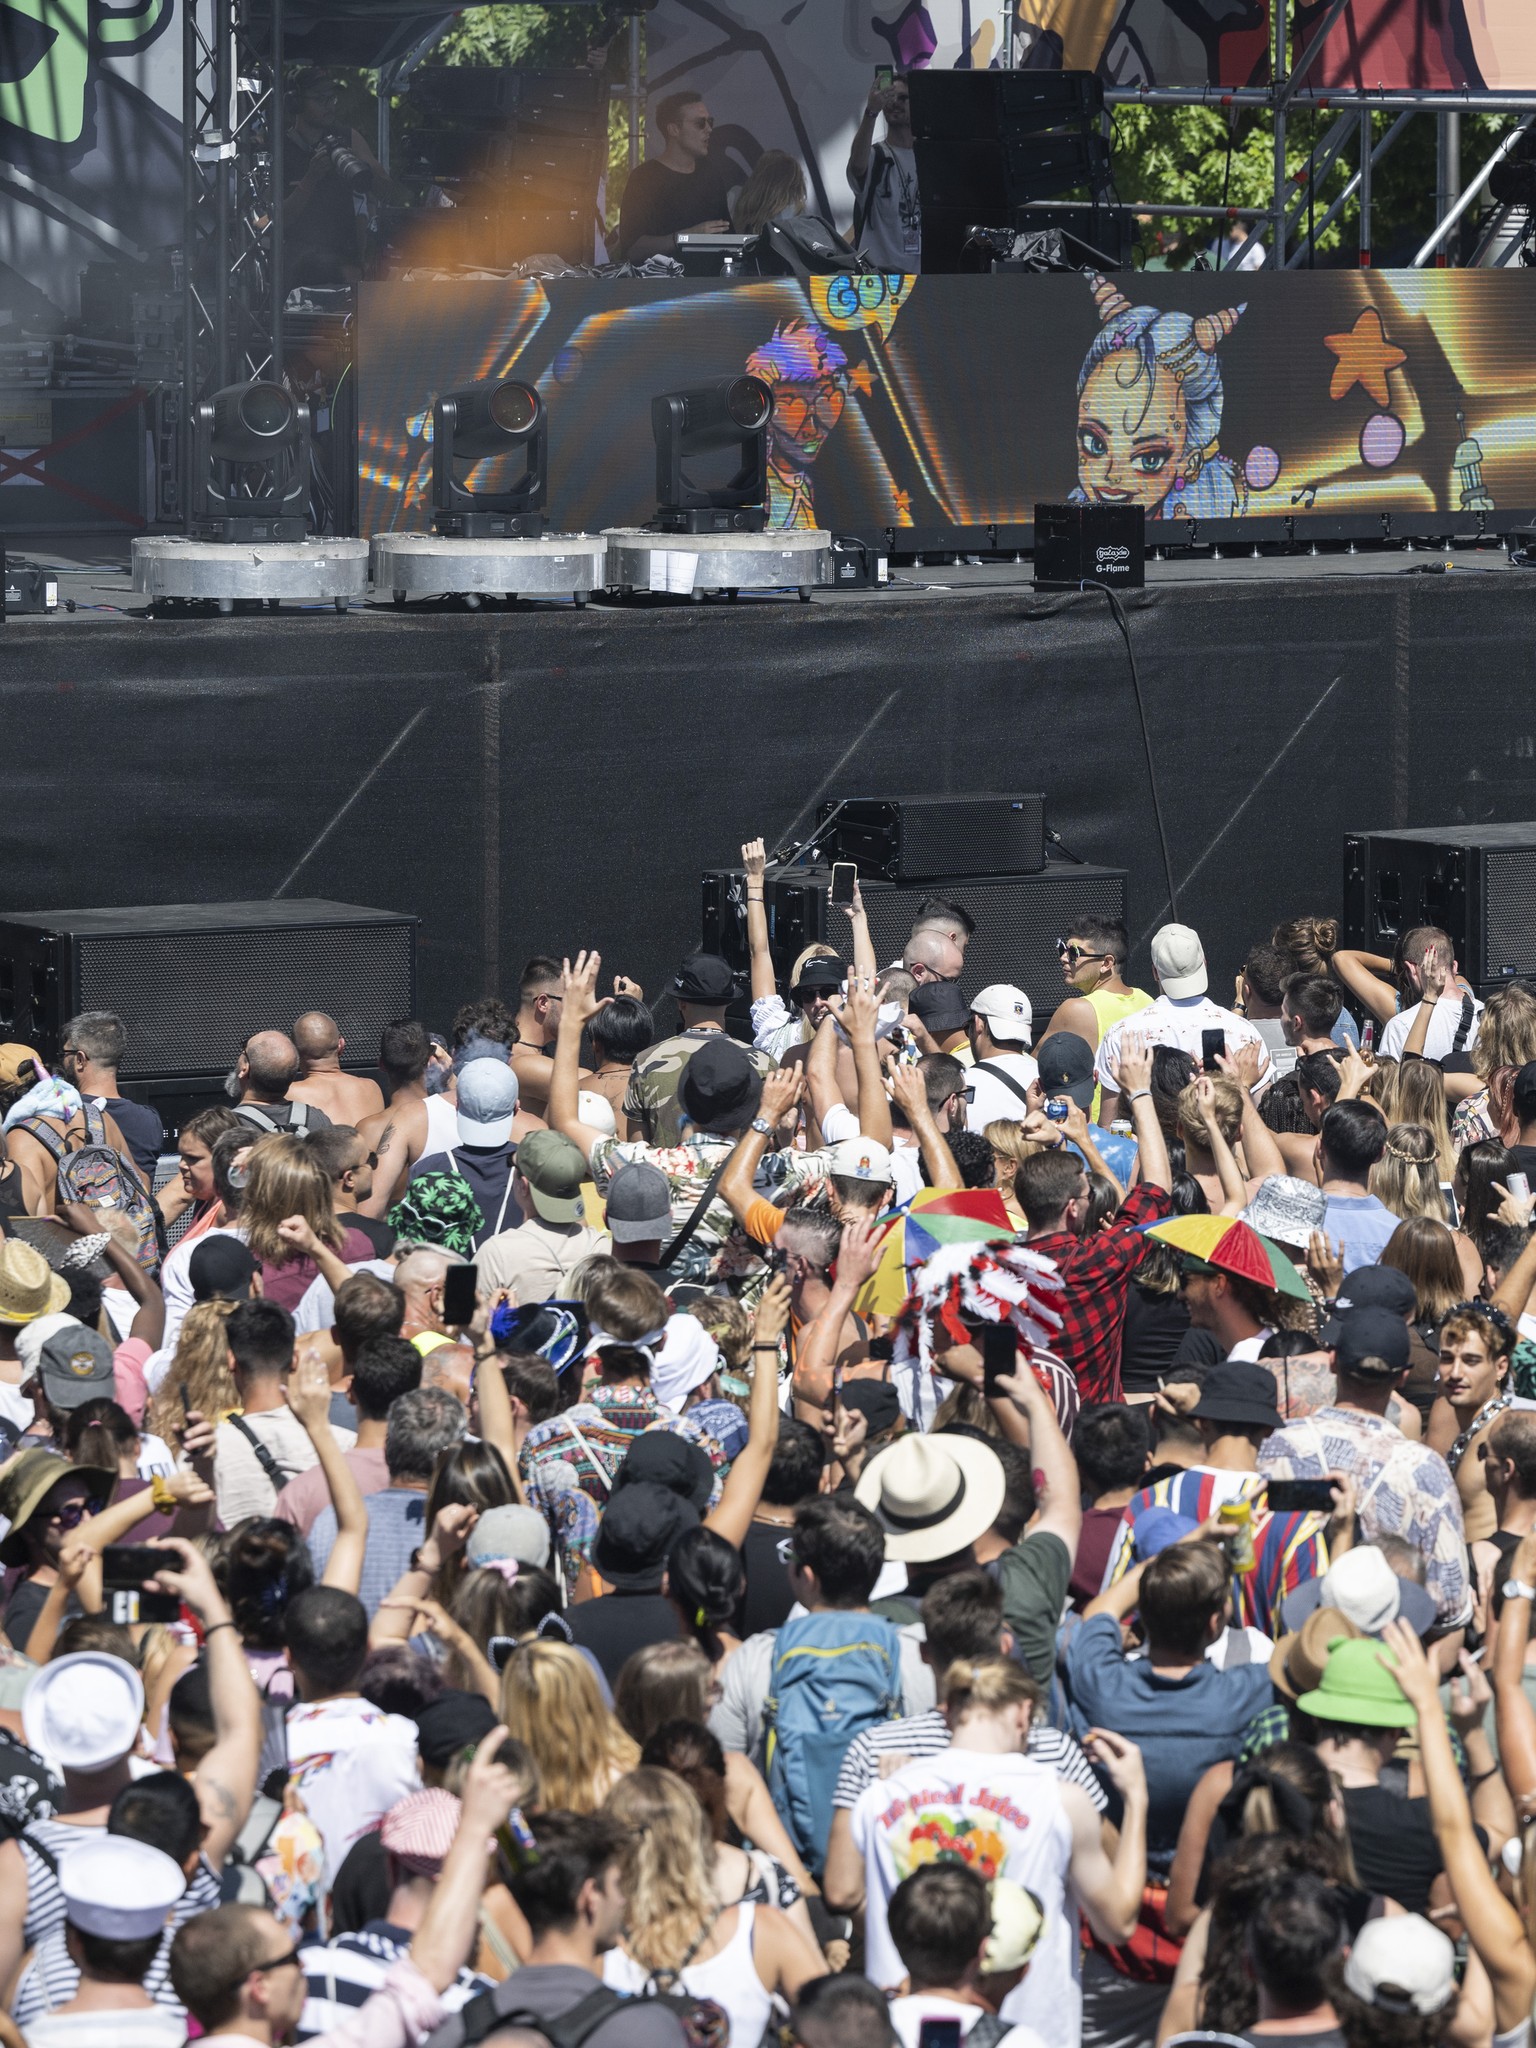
833 1676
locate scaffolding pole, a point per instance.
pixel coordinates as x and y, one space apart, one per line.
1281 99
1337 206
1464 203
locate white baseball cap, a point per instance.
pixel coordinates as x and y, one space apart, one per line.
860 1159
1007 1011
1179 958
1402 1965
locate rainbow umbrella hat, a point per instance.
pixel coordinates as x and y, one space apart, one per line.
934 1217
1232 1247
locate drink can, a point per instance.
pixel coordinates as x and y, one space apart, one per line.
1237 1526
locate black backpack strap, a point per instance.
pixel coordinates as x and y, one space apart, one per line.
1464 1024
1009 1081
493 2010
264 1457
988 2031
880 159
696 1217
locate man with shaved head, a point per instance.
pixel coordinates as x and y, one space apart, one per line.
345 1098
932 956
267 1068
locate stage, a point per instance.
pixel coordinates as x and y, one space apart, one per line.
543 779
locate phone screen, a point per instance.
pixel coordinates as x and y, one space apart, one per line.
461 1286
999 1355
124 1569
844 876
885 76
939 2034
1213 1046
1299 1497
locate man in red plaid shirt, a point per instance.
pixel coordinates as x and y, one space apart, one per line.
1052 1190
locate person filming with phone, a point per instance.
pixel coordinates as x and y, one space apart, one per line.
887 214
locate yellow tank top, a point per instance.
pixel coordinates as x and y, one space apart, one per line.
1108 1008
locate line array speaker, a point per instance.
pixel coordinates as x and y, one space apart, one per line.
910 838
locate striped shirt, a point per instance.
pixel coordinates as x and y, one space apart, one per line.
51 1978
1288 1549
925 1735
344 1974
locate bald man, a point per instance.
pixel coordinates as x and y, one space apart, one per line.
932 956
345 1098
267 1068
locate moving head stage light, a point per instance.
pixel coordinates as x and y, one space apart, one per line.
248 516
478 424
732 413
490 542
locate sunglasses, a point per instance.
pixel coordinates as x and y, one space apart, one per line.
71 1515
1077 954
277 1963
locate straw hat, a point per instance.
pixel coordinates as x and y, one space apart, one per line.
29 1287
932 1495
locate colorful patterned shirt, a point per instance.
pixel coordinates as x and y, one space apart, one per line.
1288 1549
568 1463
717 1249
1403 1488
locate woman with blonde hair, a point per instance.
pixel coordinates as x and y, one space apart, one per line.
678 1935
818 972
1406 1178
289 1218
201 1365
1010 1149
776 186
1419 1098
551 1704
1506 1041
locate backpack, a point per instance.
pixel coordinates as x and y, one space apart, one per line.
90 1171
833 1676
703 2022
297 1125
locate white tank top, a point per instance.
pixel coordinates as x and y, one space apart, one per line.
442 1126
729 1978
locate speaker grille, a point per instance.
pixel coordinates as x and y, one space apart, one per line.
1509 917
191 999
1019 918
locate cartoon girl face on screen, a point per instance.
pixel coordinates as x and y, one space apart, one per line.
1149 401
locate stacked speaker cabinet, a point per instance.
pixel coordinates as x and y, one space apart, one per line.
192 981
1477 882
1019 918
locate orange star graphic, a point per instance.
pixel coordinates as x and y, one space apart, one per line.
1364 357
903 507
861 379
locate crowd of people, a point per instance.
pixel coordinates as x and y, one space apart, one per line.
847 1520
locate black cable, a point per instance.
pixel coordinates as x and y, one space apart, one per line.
1146 739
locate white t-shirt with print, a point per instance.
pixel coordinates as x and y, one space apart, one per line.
350 1764
1005 1817
1167 1022
908 2014
1443 1026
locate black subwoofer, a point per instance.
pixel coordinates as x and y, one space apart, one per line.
1477 882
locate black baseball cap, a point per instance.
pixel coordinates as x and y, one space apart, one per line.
1066 1067
704 978
875 1400
940 1006
1241 1393
1382 1287
659 1457
220 1269
821 975
1374 1333
450 1724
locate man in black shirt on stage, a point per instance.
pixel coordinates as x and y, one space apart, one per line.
682 190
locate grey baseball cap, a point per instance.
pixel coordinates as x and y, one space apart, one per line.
639 1204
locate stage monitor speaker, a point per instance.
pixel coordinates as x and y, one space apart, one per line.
192 981
1077 544
1019 918
1477 882
912 838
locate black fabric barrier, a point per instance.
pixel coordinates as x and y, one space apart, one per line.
539 781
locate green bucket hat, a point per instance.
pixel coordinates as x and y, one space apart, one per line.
1358 1688
439 1208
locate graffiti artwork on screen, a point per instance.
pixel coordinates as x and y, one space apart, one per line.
942 402
1147 42
1424 44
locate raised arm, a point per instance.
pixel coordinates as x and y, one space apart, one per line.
1133 1078
1493 1926
1234 1189
821 1072
822 1340
1109 1888
225 1780
910 1094
1514 1291
330 1265
309 1396
1077 1132
581 1005
863 945
863 140
1514 1716
858 1012
149 1319
78 1563
1058 1489
743 1488
1367 976
451 1529
1432 975
764 981
451 1923
498 1425
781 1091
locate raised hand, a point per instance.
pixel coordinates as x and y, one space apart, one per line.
772 1317
580 987
309 1391
1120 1758
858 1254
187 1574
1245 1065
754 860
782 1089
1133 1063
294 1231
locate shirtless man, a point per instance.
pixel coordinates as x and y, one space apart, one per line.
415 1124
345 1098
1474 1372
31 1157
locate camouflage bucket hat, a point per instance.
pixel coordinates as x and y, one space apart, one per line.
440 1208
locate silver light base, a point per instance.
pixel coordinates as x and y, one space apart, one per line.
688 564
224 572
425 565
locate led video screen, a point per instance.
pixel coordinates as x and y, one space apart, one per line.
960 402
